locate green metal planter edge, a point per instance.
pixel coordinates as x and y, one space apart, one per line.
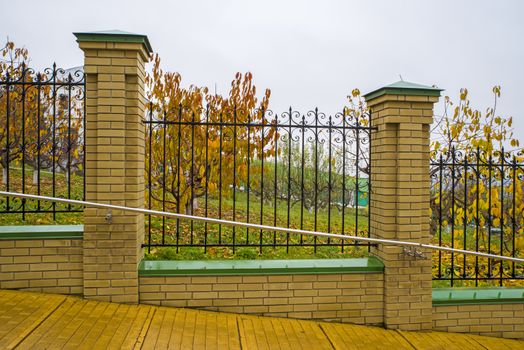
476 296
41 232
159 268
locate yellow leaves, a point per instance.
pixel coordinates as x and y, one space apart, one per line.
456 113
463 94
496 90
519 243
495 196
242 170
454 133
363 119
465 128
470 215
459 212
214 143
481 187
496 222
482 221
356 111
457 243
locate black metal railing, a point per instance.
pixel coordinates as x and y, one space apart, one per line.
307 171
477 204
41 138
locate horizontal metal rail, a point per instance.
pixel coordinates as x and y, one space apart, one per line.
262 227
349 127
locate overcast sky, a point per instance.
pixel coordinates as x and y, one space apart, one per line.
309 53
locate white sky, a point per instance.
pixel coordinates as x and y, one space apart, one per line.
310 53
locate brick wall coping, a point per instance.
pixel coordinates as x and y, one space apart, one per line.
42 232
404 88
114 36
468 296
259 267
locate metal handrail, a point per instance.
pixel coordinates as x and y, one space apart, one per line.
258 226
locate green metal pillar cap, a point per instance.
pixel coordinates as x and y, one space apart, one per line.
404 88
118 36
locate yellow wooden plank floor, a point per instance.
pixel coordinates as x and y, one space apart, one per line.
47 321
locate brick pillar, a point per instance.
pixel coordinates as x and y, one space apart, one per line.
115 107
402 112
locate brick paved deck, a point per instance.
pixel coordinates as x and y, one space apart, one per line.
48 321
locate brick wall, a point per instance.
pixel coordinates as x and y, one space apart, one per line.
114 65
399 207
496 320
353 298
42 265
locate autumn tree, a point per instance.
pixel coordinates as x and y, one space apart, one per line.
199 142
356 113
477 179
40 115
12 67
68 124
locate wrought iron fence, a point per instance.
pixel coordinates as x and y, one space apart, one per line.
306 171
41 137
477 204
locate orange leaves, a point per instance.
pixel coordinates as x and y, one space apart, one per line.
14 58
213 187
208 144
46 113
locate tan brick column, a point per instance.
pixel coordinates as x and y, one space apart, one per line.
115 107
402 112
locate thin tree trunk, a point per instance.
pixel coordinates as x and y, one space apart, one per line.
191 205
35 177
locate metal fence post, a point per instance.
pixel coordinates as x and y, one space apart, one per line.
115 108
402 113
